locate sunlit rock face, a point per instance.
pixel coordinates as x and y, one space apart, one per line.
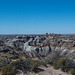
42 50
30 44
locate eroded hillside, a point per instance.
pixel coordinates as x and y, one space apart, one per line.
40 47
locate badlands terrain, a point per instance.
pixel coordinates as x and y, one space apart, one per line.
29 52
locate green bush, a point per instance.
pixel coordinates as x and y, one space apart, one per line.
8 70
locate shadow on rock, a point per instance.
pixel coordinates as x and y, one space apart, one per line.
36 70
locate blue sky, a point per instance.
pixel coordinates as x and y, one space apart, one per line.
37 16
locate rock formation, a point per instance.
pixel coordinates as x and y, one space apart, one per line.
42 45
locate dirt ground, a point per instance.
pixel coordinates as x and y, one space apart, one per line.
47 71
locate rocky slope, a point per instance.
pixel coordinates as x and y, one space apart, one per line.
43 47
39 45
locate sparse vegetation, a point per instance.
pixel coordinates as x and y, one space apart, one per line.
26 65
65 65
49 51
8 70
72 71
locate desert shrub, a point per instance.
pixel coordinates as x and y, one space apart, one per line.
55 65
64 64
60 63
16 63
53 57
8 70
72 71
35 63
26 65
43 62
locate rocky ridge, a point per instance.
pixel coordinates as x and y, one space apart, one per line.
39 45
